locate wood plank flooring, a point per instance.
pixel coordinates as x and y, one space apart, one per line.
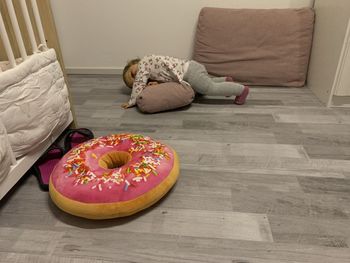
267 182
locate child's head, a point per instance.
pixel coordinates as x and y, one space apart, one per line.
130 71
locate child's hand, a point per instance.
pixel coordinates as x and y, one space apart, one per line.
125 105
151 83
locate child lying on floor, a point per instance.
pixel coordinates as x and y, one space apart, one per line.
138 73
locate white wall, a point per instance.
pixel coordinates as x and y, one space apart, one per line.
99 36
329 38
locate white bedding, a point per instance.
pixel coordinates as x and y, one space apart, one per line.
5 153
33 101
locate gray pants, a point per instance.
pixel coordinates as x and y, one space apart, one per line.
197 76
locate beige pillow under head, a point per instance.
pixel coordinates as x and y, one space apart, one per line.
165 96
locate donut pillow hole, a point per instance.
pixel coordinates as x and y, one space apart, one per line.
112 160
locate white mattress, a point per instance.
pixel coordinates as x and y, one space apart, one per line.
33 101
5 153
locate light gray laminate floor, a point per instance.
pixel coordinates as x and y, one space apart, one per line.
267 182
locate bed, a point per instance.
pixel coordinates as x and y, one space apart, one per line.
35 104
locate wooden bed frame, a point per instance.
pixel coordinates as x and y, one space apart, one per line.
22 165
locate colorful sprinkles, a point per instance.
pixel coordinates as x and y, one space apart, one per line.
153 153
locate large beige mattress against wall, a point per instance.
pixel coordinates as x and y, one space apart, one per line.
268 47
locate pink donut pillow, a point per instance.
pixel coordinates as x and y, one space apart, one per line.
113 176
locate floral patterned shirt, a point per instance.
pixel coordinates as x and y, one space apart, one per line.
157 68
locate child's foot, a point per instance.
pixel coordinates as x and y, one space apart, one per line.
229 79
240 100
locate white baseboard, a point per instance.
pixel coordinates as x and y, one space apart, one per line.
94 71
340 102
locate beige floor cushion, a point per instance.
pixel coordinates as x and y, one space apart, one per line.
256 46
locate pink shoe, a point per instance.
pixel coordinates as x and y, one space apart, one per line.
240 100
44 166
74 137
